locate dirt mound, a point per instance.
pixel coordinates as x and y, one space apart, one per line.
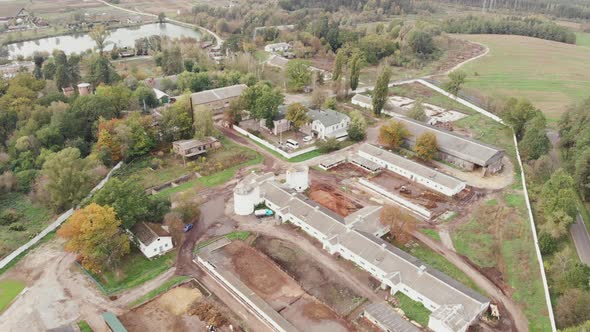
178 300
332 199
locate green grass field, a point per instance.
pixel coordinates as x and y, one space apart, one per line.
551 74
84 327
32 218
414 310
583 39
431 233
133 271
9 290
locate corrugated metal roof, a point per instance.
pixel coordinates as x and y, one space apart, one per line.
113 322
387 317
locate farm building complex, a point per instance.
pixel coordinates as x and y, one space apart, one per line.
412 170
453 306
459 150
216 100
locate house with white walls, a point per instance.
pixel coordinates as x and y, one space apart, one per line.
326 124
153 240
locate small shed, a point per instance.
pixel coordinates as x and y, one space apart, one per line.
162 96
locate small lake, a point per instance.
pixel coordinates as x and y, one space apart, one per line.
122 37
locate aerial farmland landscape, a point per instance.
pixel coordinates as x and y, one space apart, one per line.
294 165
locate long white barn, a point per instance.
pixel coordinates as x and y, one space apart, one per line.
412 170
454 307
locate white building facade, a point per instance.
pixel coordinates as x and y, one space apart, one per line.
426 176
153 240
327 124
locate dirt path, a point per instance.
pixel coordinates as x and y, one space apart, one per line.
128 297
459 65
518 318
321 256
57 294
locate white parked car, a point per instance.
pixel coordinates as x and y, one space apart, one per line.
307 139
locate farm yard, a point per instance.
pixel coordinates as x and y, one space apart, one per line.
280 291
186 307
551 74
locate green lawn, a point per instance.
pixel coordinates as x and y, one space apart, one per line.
166 286
9 289
505 243
583 39
134 270
414 310
431 233
84 327
31 217
550 74
440 263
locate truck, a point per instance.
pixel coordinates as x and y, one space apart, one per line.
261 213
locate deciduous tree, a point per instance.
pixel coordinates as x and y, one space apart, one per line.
94 234
456 80
69 178
417 111
381 91
339 65
298 74
401 224
572 308
297 114
393 134
100 34
355 70
426 146
357 129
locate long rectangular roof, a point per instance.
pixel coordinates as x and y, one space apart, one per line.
456 145
459 305
204 97
412 166
326 117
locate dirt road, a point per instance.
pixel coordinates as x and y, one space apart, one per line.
518 318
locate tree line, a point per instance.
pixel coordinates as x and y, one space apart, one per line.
568 9
531 27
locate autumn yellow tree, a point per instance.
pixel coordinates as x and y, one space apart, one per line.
426 146
107 143
94 234
401 225
393 134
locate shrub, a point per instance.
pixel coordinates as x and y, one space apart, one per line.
329 145
547 244
17 228
10 216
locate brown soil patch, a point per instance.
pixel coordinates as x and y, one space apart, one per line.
178 300
256 271
332 199
458 51
317 311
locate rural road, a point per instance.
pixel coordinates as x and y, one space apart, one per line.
581 239
218 40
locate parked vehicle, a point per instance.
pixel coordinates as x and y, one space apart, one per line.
307 139
187 227
261 213
292 144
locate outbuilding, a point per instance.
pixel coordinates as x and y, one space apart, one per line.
153 239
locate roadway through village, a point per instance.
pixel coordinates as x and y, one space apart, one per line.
581 238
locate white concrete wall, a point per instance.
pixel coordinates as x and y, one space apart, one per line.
272 147
161 246
244 203
420 210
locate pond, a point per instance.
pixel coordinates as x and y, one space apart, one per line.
81 42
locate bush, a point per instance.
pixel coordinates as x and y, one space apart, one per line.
547 244
25 179
10 216
17 228
329 145
255 132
